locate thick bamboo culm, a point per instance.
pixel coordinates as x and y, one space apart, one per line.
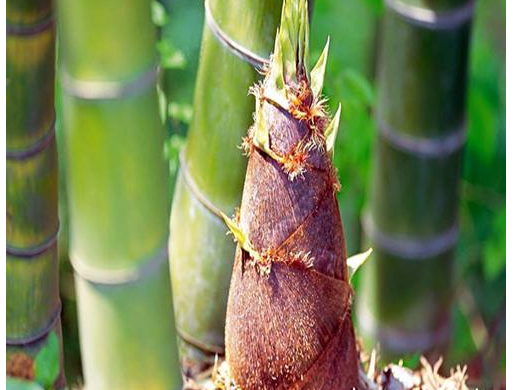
212 173
32 286
407 289
118 195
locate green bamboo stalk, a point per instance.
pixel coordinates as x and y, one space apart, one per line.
33 306
412 222
118 195
213 169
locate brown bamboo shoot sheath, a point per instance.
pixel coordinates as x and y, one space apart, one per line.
288 323
118 195
212 173
32 287
412 221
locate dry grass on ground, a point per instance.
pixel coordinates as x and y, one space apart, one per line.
372 377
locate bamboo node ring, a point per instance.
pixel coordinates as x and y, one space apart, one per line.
194 188
37 147
398 339
414 249
433 20
40 334
34 251
120 276
107 90
233 46
425 147
30 29
202 346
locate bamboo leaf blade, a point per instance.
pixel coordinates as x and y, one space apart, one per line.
46 364
318 71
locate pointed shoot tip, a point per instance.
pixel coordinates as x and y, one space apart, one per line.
331 131
354 262
319 70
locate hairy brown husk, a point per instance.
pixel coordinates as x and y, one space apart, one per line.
290 327
20 365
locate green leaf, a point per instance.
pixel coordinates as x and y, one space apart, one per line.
170 56
261 132
317 73
162 100
462 343
180 111
359 84
495 248
174 145
172 148
235 229
20 384
304 35
239 236
376 6
288 38
275 88
354 262
412 360
481 142
293 36
46 364
158 14
331 131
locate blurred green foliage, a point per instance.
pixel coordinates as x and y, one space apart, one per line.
481 254
179 48
46 364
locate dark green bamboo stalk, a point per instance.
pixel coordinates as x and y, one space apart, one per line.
212 173
408 286
33 306
118 195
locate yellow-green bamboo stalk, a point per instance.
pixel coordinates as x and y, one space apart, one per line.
212 170
118 195
408 286
33 306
